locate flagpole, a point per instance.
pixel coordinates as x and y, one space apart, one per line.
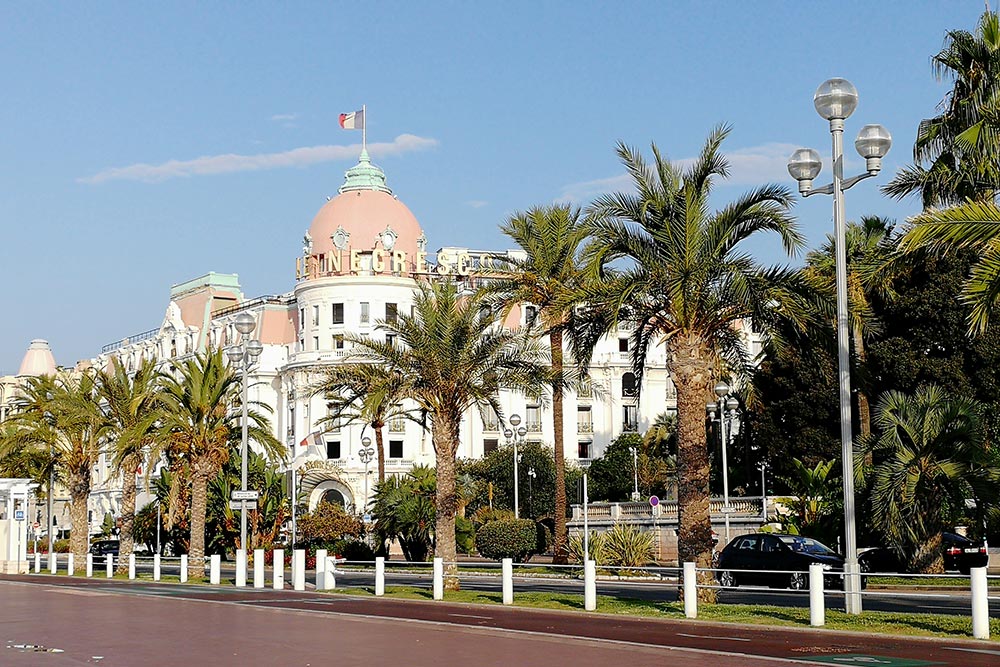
364 127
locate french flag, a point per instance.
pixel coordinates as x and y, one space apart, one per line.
353 121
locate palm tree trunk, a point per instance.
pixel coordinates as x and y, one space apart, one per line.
199 506
380 449
929 556
560 552
126 542
444 433
79 536
691 366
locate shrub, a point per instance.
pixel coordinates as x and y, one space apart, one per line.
485 515
328 522
627 546
62 546
465 535
509 538
596 547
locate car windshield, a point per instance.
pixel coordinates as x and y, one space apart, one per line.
806 545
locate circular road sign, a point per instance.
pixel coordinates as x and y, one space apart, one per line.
654 501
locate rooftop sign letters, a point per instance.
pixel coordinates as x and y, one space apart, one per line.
391 262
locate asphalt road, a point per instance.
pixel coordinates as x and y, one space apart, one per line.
59 621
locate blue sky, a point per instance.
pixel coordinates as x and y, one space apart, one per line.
144 144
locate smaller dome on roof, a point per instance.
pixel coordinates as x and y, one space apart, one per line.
38 360
364 176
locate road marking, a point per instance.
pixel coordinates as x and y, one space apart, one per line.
70 591
731 639
488 618
972 650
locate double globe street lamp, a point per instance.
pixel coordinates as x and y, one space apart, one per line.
243 355
726 409
366 454
514 435
835 100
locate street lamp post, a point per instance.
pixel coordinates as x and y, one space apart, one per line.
366 453
635 474
244 354
835 100
515 435
531 479
727 413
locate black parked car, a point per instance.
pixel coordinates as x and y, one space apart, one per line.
777 560
104 547
960 553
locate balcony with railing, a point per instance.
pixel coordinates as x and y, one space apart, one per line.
533 426
585 427
397 426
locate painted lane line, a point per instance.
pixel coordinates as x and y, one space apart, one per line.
731 639
488 618
972 650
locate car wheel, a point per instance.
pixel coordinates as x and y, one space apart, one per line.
727 579
797 581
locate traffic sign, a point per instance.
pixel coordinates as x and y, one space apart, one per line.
367 518
36 526
18 515
246 495
654 501
238 504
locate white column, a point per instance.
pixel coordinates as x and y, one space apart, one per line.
380 576
131 566
299 569
690 590
241 568
279 569
156 567
321 569
38 562
438 578
590 585
52 562
215 569
69 564
980 604
258 568
184 568
817 608
90 564
109 565
507 569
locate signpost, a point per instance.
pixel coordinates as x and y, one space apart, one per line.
246 495
239 504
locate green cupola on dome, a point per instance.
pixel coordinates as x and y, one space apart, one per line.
364 176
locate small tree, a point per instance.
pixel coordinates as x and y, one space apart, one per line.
329 522
508 538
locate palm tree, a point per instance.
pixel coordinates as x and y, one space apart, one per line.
974 225
550 277
960 143
369 393
200 428
870 271
450 358
674 272
133 404
926 448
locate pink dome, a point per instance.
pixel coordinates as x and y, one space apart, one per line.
364 216
38 360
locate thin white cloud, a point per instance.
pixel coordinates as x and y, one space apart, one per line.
477 203
751 166
210 165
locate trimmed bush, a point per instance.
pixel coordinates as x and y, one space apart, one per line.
508 538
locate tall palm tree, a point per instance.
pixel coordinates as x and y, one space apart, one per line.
450 359
673 271
368 393
926 449
200 428
550 277
974 225
960 143
870 252
133 404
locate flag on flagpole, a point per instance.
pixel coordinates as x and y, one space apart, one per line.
353 121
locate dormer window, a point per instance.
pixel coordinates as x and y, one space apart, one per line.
340 238
388 238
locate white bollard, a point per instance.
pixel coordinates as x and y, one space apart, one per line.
258 568
299 569
131 566
156 567
53 563
380 576
241 568
215 569
90 565
69 564
38 562
690 590
279 569
817 606
980 604
507 574
590 585
109 566
184 568
438 578
321 569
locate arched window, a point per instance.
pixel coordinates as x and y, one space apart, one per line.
628 385
334 497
